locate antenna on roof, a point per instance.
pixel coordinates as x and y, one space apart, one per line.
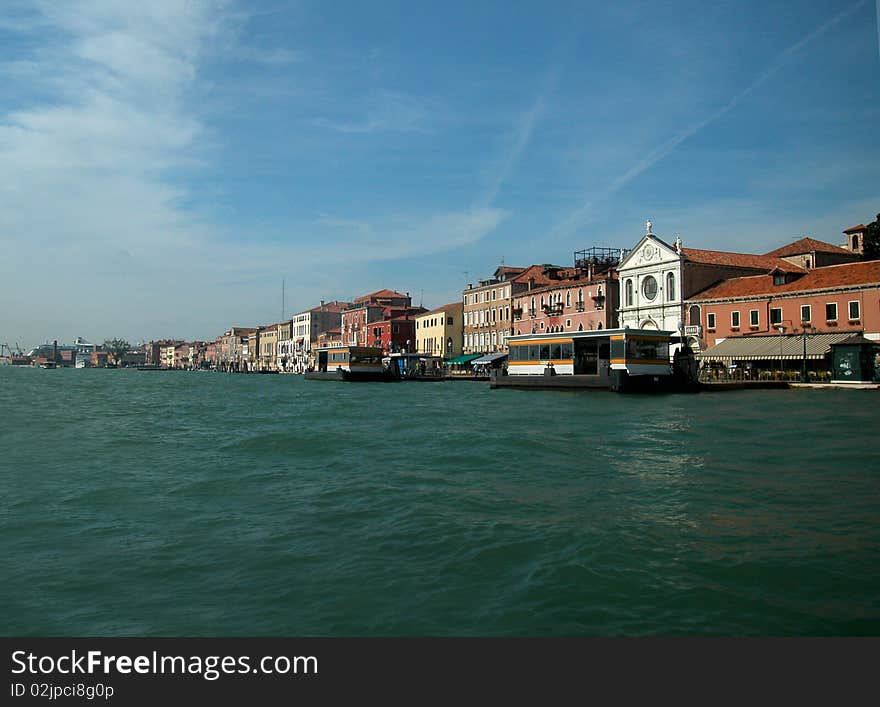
283 282
421 297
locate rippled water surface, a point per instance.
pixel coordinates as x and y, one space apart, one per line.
195 504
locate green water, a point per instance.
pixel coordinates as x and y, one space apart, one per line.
196 504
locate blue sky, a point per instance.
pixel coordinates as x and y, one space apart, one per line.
167 163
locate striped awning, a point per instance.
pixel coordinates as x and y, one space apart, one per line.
489 358
786 346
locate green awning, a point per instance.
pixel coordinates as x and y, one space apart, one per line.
462 359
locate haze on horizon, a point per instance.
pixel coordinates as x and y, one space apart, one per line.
167 164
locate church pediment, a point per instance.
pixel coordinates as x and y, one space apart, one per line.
649 251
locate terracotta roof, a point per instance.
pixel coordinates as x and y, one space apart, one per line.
444 308
856 229
845 275
507 270
806 245
334 306
537 274
738 260
379 293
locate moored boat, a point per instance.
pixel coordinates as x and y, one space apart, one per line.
621 360
350 363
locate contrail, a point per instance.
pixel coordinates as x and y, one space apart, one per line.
524 134
662 150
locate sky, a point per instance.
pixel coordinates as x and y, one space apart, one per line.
170 167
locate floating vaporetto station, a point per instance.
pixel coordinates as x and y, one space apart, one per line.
621 360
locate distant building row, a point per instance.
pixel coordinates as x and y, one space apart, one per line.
706 296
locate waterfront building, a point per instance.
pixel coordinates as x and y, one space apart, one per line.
181 358
306 326
268 339
132 358
583 298
397 334
99 358
212 354
327 339
828 299
232 348
486 308
153 351
166 354
284 346
440 331
368 321
657 279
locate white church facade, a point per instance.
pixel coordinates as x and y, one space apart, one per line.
656 280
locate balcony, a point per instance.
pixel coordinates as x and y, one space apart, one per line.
533 312
579 307
554 309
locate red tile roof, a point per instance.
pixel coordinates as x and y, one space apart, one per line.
444 308
738 260
806 245
537 274
856 229
845 275
334 306
377 294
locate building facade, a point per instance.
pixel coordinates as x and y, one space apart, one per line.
581 298
486 309
836 298
309 324
440 331
657 279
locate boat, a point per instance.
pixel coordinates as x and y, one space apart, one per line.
620 360
350 363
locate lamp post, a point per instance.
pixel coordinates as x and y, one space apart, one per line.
781 329
807 330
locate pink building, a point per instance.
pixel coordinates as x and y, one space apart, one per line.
576 303
836 298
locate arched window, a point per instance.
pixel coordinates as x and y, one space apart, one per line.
670 287
581 326
542 301
629 293
600 325
694 315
